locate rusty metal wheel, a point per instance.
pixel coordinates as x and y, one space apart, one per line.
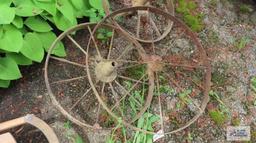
95 71
137 23
179 68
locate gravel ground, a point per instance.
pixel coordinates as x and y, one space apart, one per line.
232 71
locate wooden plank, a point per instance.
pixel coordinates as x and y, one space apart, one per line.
7 138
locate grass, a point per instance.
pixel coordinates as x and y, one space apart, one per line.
136 72
188 9
220 114
253 84
245 8
74 138
253 87
235 121
218 117
242 42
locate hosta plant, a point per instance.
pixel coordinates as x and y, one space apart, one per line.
26 30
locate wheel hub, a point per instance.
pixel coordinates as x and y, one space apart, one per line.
105 70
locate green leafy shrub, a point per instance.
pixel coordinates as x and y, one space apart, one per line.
191 16
253 84
26 30
241 43
245 8
221 113
218 117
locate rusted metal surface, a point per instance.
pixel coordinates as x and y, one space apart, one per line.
145 17
104 73
152 61
202 57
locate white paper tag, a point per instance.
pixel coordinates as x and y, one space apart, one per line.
158 135
238 133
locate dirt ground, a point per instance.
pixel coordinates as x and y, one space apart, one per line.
232 71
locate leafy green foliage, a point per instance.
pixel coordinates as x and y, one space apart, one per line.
245 8
220 114
9 69
70 136
146 123
35 53
190 15
37 24
218 117
78 139
26 31
253 84
7 14
11 40
241 43
104 34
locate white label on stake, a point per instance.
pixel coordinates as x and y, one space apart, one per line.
158 135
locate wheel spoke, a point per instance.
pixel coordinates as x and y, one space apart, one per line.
80 99
115 97
113 91
127 91
138 25
155 27
127 49
131 66
159 102
175 83
94 41
77 45
173 40
131 79
103 87
67 61
184 65
190 79
129 61
111 44
197 106
98 113
69 80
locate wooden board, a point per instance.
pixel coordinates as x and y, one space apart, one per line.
7 138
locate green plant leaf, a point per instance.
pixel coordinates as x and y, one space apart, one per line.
78 139
1 32
97 4
12 39
19 2
47 39
47 5
26 10
32 47
218 117
18 22
37 24
19 59
78 4
6 2
65 7
7 14
5 83
62 22
242 42
9 70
